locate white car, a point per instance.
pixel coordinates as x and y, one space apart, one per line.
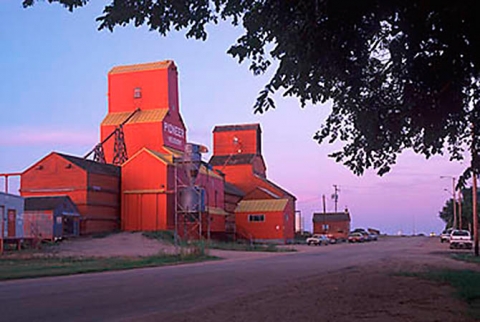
318 239
445 235
461 239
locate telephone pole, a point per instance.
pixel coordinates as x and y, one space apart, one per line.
335 195
454 198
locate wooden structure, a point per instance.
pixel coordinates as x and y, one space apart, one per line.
264 219
50 218
11 219
146 95
232 196
149 182
93 187
333 224
238 154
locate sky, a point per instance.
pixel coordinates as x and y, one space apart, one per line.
53 86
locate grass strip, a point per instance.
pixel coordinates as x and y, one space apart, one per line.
55 266
168 236
467 257
249 247
465 282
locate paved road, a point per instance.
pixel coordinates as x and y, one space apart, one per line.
155 292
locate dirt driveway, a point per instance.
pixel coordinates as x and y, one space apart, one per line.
376 292
327 283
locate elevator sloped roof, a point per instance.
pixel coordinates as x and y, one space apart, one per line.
92 166
233 190
147 116
47 203
236 159
142 67
261 205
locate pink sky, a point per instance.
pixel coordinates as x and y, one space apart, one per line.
53 97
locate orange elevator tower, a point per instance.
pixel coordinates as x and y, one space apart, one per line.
146 97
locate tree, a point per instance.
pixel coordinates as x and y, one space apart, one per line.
401 74
446 214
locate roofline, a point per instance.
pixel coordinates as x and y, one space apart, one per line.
275 185
142 150
168 63
218 128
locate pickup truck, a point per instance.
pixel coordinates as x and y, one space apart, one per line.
460 239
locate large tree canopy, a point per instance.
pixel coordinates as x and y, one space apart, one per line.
401 74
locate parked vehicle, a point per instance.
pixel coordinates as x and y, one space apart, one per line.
445 235
373 237
318 239
460 239
356 238
332 238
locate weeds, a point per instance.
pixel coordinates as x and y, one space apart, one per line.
163 235
465 282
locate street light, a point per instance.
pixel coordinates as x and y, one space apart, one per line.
454 200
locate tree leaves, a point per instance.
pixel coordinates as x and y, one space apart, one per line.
401 74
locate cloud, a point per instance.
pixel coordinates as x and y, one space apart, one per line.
38 136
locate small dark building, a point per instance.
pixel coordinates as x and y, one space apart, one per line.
334 224
11 216
51 218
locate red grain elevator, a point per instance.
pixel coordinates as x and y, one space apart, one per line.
143 99
237 153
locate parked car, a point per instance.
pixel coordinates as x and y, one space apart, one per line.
367 236
318 239
460 239
373 236
332 238
356 238
445 235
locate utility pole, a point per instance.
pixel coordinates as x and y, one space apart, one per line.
335 196
455 220
324 204
474 210
460 197
474 163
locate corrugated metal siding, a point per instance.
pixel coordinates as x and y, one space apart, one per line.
147 116
141 67
262 205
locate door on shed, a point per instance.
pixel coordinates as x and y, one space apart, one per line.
12 216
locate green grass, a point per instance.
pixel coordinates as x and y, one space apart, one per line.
467 257
248 247
465 282
54 266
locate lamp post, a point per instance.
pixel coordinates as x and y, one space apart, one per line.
454 200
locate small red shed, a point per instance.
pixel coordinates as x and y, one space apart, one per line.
264 220
93 187
335 224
